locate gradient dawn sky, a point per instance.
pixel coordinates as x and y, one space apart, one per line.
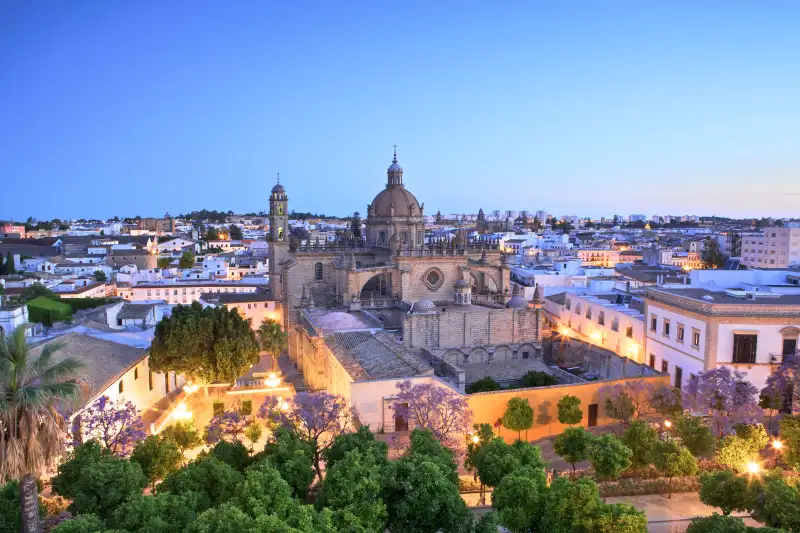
577 107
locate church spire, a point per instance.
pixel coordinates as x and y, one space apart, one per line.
395 172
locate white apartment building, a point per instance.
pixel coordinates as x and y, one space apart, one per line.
690 330
774 248
182 292
614 321
598 256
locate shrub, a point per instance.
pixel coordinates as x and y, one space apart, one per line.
486 384
535 378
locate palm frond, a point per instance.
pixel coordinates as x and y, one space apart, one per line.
64 369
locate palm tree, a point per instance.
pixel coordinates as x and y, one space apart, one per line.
272 339
31 429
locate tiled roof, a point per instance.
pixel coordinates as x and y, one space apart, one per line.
236 298
135 311
502 372
366 356
104 361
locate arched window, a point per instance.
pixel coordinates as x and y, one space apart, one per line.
318 272
280 234
280 209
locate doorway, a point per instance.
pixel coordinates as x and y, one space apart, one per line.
592 415
400 417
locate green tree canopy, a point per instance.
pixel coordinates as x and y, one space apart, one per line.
518 415
235 232
717 523
609 456
157 456
790 434
711 255
161 513
496 459
362 440
205 344
777 504
735 453
292 457
518 500
695 435
568 506
164 262
569 410
99 275
184 434
187 260
486 384
641 439
673 459
213 481
272 339
352 490
573 445
726 490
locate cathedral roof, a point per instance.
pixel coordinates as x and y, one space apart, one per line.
405 204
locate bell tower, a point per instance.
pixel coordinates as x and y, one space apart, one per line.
278 237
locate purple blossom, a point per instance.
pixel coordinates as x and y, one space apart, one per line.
724 396
226 424
316 417
116 425
786 381
437 408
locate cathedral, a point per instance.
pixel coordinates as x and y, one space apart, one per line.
433 295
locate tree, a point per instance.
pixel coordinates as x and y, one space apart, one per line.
726 490
497 459
569 505
184 434
486 384
10 268
362 440
116 425
315 417
790 433
355 225
88 523
620 407
517 499
717 523
535 378
481 434
234 454
352 490
204 344
99 275
157 456
672 459
784 382
272 340
694 434
235 232
253 433
711 255
777 504
226 425
569 410
725 397
187 260
609 457
618 518
735 453
31 428
164 262
161 513
770 400
292 457
213 481
518 415
437 408
667 401
420 495
573 446
264 492
101 484
641 439
212 234
755 435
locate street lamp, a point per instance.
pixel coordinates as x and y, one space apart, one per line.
752 468
777 446
476 439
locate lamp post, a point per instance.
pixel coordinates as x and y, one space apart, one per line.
777 446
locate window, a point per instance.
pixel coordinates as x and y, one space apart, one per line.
666 328
166 382
525 355
696 338
744 348
652 361
664 365
589 312
678 377
614 323
578 308
121 386
569 304
680 332
789 346
318 272
601 318
136 373
629 332
150 379
653 322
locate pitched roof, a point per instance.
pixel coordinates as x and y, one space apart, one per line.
366 356
135 311
104 362
237 298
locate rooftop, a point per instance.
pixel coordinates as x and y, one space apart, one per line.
368 356
335 321
135 311
103 361
727 297
233 298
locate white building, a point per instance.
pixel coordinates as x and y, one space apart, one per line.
690 330
774 248
182 292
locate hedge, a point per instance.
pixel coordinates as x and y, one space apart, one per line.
47 311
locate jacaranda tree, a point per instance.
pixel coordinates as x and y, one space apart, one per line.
116 425
725 397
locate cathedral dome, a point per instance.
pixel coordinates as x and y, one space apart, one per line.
405 204
517 302
424 306
279 189
462 284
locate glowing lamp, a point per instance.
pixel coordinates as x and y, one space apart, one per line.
752 467
667 424
777 444
273 380
476 439
181 412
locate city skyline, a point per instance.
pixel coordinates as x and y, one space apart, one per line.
623 108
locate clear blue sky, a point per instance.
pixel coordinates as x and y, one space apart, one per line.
584 107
